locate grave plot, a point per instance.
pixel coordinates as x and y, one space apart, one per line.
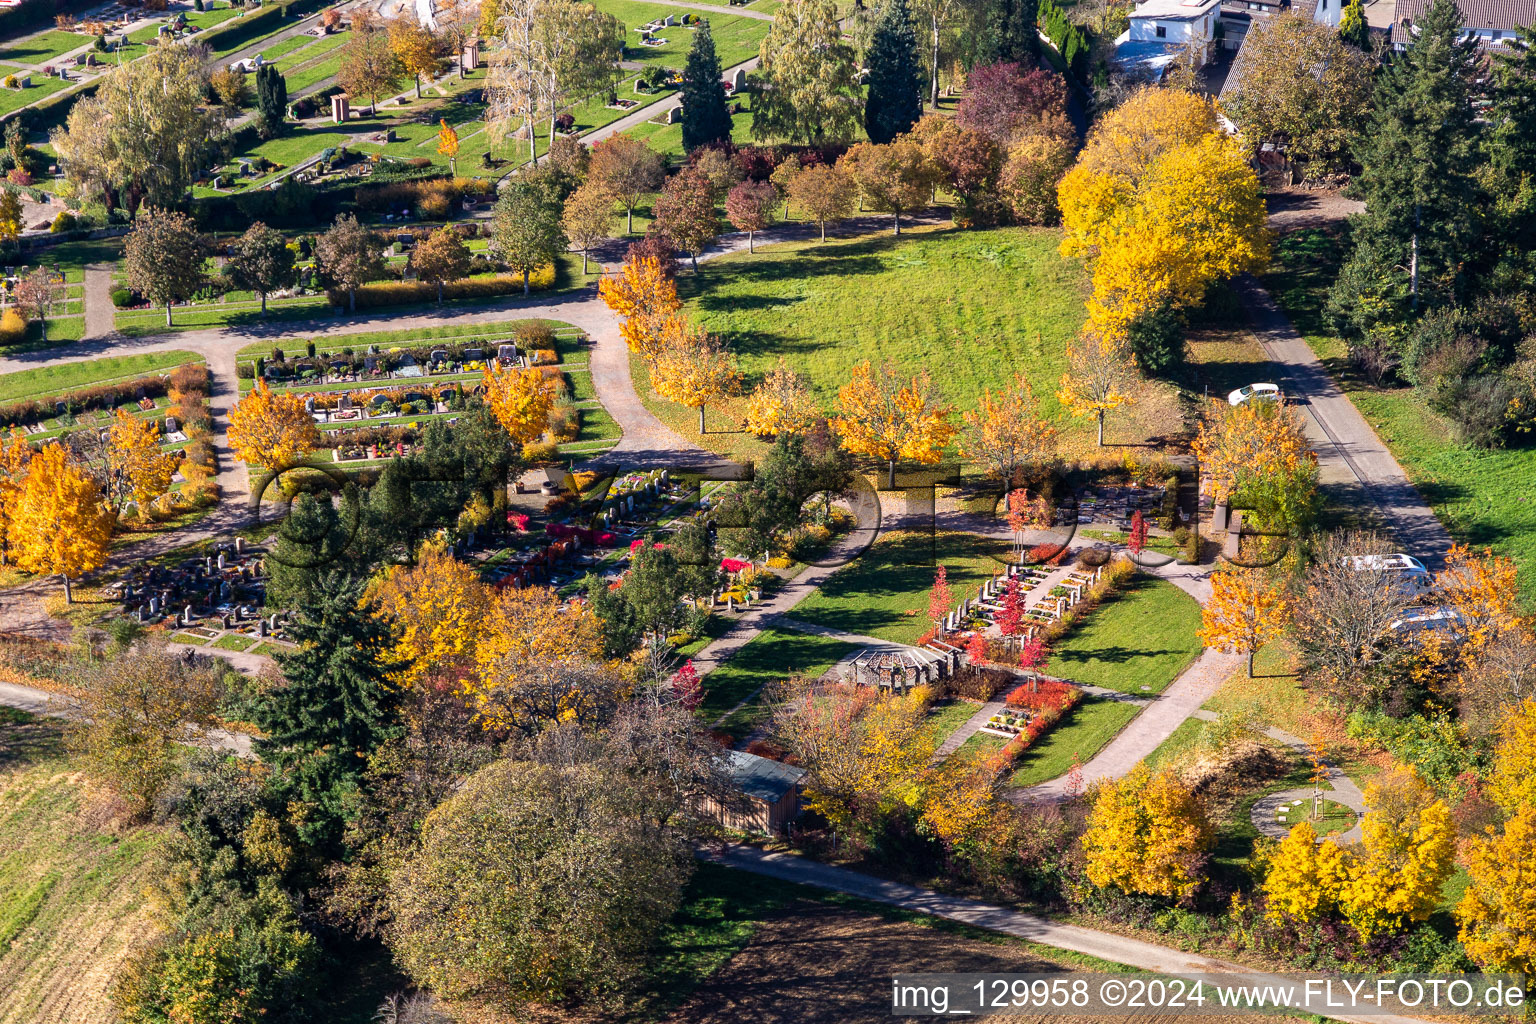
216 599
372 400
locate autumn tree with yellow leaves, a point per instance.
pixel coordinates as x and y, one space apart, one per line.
1246 611
889 418
694 369
520 399
437 609
137 468
781 404
272 429
1164 203
1497 913
1407 855
1006 433
1303 878
645 296
15 457
448 144
1512 778
1147 834
535 661
59 525
1101 375
865 750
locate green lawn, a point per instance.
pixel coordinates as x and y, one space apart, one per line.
1083 731
1482 496
772 655
945 718
974 308
1136 642
1180 742
884 592
52 380
41 49
15 99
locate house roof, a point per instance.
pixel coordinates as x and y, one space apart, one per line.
760 777
1173 10
1476 14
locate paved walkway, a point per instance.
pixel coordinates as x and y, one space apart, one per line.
1146 732
1344 441
972 726
1117 949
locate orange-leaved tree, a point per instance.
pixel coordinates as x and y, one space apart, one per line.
887 417
520 399
1483 591
1497 913
1147 834
1007 433
60 524
272 429
15 457
136 466
645 295
1246 611
694 369
1257 455
438 609
448 144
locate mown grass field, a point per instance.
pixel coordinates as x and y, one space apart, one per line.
61 377
71 885
973 308
1082 733
772 655
1136 642
1483 497
884 592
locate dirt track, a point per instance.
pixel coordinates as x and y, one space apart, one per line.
817 964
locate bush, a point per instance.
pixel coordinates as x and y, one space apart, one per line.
121 297
101 396
541 451
12 327
535 334
65 221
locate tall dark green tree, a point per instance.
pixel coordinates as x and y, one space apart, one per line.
1419 153
706 119
1511 145
1012 34
312 541
271 100
894 100
335 709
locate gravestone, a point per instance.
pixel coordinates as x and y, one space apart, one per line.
221 561
171 426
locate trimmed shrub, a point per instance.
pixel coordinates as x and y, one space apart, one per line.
64 222
541 451
13 327
122 298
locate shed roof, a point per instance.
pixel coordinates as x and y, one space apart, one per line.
1476 14
1173 10
761 777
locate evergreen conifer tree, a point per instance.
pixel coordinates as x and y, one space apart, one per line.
895 98
1418 156
1352 27
1012 34
705 117
271 99
335 709
310 543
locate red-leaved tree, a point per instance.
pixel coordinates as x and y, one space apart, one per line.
1006 102
750 205
688 686
940 599
1012 615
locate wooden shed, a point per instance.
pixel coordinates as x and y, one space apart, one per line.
771 790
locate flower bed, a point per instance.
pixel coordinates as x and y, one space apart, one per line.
1045 704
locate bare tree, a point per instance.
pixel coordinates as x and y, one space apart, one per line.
1343 618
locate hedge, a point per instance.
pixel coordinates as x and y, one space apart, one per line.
1070 39
394 293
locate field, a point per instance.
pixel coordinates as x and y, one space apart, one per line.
884 592
14 99
1481 496
1136 642
974 308
71 889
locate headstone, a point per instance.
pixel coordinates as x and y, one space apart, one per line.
261 627
221 560
207 563
272 622
186 615
139 613
739 80
154 606
171 425
506 353
239 545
